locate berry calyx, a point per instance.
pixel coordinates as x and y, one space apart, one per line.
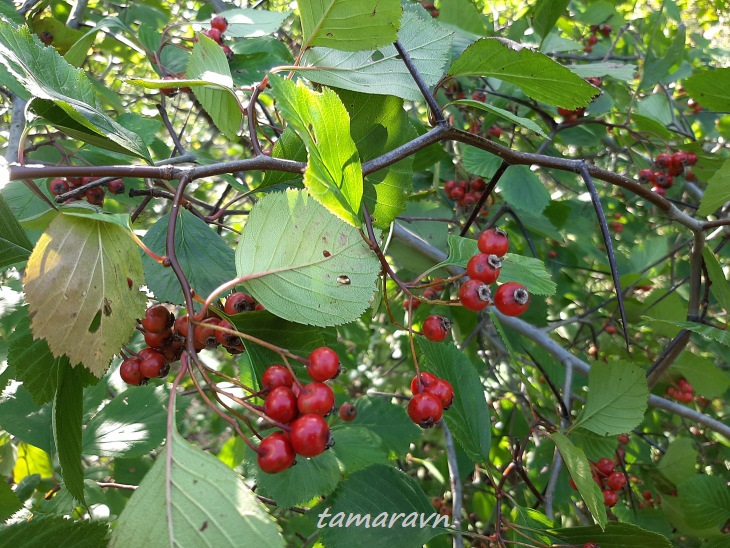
58 186
348 412
281 405
276 375
616 481
95 196
226 339
204 335
610 498
485 268
662 161
425 409
512 299
426 380
324 364
129 371
443 390
116 186
310 435
479 96
152 365
219 22
436 328
475 295
646 176
316 398
158 319
493 242
275 453
239 302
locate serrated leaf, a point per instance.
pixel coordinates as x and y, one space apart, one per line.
615 535
250 23
720 288
707 378
380 492
580 470
480 162
130 425
705 501
25 420
9 503
204 256
619 71
468 416
538 76
710 88
427 43
349 25
326 272
679 462
30 461
208 505
707 331
77 285
209 63
502 113
61 94
358 448
531 526
14 244
523 190
717 192
462 14
594 446
68 411
43 531
617 399
389 422
334 174
546 13
308 479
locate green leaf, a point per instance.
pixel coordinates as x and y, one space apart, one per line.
710 88
617 396
358 448
546 13
679 462
462 14
531 526
594 446
349 25
523 190
388 421
61 94
717 192
706 377
538 76
209 63
308 479
480 162
250 23
615 535
378 124
705 501
204 256
580 470
502 113
208 505
468 417
68 411
325 271
44 531
26 421
9 502
14 244
707 331
334 174
427 43
130 425
83 267
619 71
384 494
719 287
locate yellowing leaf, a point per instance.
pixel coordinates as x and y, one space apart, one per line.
81 284
31 460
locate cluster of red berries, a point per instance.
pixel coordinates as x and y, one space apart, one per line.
483 269
302 408
431 397
94 195
608 479
570 116
430 293
464 193
592 40
683 392
667 167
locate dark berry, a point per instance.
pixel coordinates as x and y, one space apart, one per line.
226 339
204 335
116 186
152 365
95 195
646 176
158 319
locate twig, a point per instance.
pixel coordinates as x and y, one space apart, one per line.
455 480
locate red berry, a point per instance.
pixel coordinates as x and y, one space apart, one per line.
675 168
226 339
214 34
616 481
204 335
412 303
276 375
659 190
495 131
690 176
182 325
310 435
220 23
425 409
152 365
606 30
479 96
646 494
595 80
129 371
348 412
604 466
324 364
158 319
483 267
680 158
157 340
691 158
512 299
493 242
116 186
475 295
281 405
58 186
275 453
95 196
239 302
662 161
623 439
169 91
590 545
426 380
610 498
316 398
663 180
436 328
443 390
457 194
610 328
592 40
469 199
646 176
449 186
227 51
46 37
478 184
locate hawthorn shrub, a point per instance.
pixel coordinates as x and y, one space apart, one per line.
356 273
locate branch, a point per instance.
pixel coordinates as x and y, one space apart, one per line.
15 132
455 480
